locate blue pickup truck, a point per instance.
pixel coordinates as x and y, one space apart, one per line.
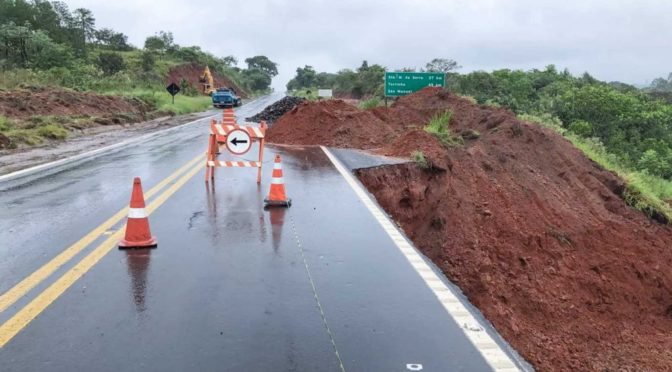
225 97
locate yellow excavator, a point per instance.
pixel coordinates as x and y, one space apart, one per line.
207 81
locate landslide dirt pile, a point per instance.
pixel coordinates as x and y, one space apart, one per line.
332 123
272 112
538 237
31 101
192 73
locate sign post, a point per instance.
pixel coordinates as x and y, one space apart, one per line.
173 89
399 84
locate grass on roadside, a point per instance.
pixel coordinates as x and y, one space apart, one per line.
649 194
439 127
370 103
31 133
160 100
419 158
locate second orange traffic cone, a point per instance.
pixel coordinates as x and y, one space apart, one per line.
277 197
137 225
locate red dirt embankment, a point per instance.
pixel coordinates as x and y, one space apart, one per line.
23 103
192 73
536 235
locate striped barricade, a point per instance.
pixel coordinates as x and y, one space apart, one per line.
217 142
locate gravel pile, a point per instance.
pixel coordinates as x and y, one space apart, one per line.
276 110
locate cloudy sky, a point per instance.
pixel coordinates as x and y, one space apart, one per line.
626 40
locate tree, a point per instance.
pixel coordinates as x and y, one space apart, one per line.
45 53
148 61
86 23
110 63
256 79
119 41
230 61
155 44
305 78
104 35
263 64
14 43
442 65
168 40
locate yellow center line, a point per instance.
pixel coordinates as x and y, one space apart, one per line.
22 318
23 287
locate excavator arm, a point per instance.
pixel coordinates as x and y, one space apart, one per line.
208 82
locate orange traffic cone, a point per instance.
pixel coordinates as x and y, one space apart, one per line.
277 196
137 225
228 117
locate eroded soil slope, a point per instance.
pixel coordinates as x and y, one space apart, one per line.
24 103
536 235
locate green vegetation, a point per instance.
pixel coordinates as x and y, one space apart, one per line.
439 127
370 103
44 43
31 132
163 102
633 125
419 158
366 81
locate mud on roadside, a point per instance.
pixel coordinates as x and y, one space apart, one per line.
87 139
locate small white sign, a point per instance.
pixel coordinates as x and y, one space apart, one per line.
238 142
325 93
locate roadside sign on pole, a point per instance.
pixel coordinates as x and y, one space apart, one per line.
325 93
238 142
402 83
173 89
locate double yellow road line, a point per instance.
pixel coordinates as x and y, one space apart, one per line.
24 316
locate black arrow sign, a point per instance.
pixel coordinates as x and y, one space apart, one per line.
236 141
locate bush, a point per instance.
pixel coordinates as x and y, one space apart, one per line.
5 124
110 63
148 61
370 103
419 158
438 126
581 128
52 131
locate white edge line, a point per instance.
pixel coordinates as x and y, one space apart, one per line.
72 160
495 356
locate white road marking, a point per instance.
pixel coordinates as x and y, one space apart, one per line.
487 347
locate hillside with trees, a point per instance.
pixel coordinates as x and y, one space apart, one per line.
45 47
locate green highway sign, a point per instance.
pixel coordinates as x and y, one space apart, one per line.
402 83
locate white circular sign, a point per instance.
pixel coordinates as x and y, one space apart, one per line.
238 142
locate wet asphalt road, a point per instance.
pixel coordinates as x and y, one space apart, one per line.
317 287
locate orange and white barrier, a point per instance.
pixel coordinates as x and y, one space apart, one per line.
234 164
277 196
223 130
137 233
228 117
237 140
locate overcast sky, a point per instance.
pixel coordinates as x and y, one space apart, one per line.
624 40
